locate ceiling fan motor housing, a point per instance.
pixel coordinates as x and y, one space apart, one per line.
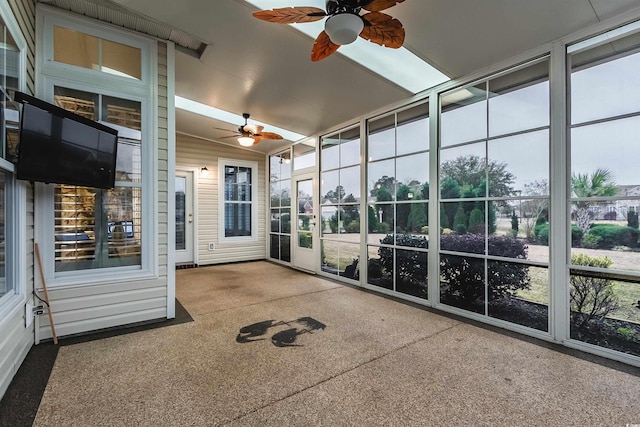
335 7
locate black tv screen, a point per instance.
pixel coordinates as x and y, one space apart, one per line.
58 146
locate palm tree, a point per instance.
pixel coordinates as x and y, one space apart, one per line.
600 183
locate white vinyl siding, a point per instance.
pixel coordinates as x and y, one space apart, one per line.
195 153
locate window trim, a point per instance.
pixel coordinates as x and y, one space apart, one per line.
56 74
16 236
222 163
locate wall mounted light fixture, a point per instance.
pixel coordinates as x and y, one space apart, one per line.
204 172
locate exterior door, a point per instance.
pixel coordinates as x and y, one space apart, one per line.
305 241
184 217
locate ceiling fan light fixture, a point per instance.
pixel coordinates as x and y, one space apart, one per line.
246 141
344 28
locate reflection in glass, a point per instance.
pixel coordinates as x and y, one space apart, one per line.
519 100
377 273
518 161
620 137
468 106
381 182
462 282
330 153
275 220
305 239
380 222
304 155
341 259
411 273
382 138
519 293
413 130
4 283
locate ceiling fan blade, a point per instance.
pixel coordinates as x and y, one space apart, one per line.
256 139
382 29
269 135
323 47
230 136
226 130
253 129
291 15
378 5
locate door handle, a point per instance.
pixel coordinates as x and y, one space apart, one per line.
190 218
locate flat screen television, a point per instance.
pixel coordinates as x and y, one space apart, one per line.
58 146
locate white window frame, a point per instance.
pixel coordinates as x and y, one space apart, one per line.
15 193
57 74
254 200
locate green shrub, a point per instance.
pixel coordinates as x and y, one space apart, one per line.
592 298
476 221
615 235
591 241
410 266
541 231
464 277
352 227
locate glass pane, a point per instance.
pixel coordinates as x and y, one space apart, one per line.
350 183
463 171
349 223
604 311
519 294
517 161
329 220
462 282
464 116
285 193
181 186
526 221
382 138
274 247
519 100
304 155
330 189
607 229
463 226
275 193
380 222
75 227
124 225
285 220
305 240
350 147
413 222
123 112
380 267
411 273
611 146
285 248
121 59
275 221
413 130
381 182
413 171
605 88
77 101
330 152
237 219
75 48
340 259
129 160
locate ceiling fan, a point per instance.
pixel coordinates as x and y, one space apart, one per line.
345 22
249 135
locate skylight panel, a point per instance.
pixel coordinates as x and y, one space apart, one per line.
396 65
225 116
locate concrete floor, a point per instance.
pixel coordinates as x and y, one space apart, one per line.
376 362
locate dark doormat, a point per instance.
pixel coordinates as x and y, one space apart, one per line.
20 403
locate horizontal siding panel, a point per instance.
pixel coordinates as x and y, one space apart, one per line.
106 322
15 344
116 287
89 314
94 301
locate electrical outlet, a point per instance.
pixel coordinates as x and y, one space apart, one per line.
212 246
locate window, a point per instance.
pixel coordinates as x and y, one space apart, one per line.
105 77
238 204
398 194
340 202
280 206
604 280
494 196
97 228
10 71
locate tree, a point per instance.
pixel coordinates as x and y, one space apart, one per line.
600 183
531 210
417 217
402 209
469 172
336 195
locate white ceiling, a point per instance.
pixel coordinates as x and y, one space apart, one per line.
265 69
